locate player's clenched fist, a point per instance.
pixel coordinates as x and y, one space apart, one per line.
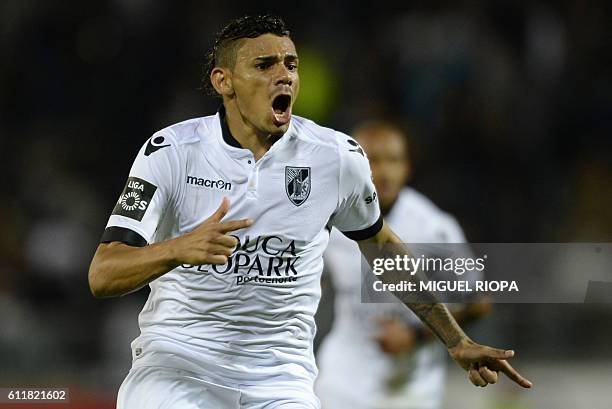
209 243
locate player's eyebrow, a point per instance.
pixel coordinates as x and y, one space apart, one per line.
275 57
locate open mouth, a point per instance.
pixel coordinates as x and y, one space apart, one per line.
281 109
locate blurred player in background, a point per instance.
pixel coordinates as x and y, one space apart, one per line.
229 322
380 356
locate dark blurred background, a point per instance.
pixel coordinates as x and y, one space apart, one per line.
510 106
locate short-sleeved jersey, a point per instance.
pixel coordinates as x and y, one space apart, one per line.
355 373
250 320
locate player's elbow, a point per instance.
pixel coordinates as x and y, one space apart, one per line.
99 283
97 286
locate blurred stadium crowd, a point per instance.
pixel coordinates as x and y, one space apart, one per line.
510 104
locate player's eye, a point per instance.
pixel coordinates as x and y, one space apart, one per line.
292 66
262 66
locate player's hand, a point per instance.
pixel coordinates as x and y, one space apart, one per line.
483 363
394 336
210 243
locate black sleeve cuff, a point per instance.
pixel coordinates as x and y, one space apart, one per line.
126 236
365 233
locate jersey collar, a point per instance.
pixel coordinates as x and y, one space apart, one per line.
233 147
225 131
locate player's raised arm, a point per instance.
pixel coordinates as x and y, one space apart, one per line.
118 268
481 362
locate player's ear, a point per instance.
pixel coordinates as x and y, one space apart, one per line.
222 82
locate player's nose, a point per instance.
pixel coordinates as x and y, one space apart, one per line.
283 77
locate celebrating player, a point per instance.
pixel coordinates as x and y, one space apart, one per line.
379 355
226 217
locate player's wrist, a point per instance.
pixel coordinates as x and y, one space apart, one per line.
461 343
170 251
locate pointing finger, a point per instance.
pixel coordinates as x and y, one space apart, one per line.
511 373
235 225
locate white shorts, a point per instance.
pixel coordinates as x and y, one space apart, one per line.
155 387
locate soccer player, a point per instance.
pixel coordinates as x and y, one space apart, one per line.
226 217
379 355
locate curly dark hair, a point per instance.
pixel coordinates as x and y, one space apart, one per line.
223 51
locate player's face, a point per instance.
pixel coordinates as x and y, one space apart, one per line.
389 162
265 82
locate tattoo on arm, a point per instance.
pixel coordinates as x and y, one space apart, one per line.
434 314
439 319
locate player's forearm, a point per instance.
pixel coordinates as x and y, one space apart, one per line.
440 321
434 314
463 316
118 269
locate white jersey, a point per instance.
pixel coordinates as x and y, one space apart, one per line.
251 320
354 372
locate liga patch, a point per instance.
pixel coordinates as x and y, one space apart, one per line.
135 198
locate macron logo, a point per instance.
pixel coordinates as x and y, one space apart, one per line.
213 184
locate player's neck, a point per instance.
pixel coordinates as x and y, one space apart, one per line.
246 135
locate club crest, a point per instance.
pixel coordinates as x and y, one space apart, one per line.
297 184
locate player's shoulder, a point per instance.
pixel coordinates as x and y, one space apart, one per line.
173 140
349 155
310 131
187 132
